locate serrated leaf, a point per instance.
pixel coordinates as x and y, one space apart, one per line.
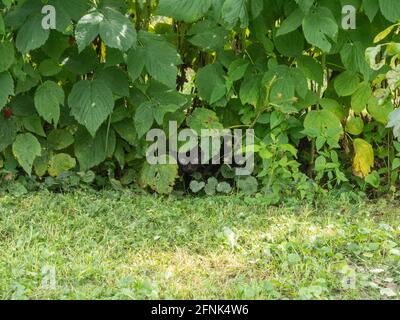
26 148
31 35
323 124
7 55
61 163
203 119
115 79
184 10
48 98
115 29
91 102
250 90
160 178
8 132
158 56
90 151
6 88
320 28
207 35
59 139
234 11
210 83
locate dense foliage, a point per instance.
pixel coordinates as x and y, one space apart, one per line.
77 101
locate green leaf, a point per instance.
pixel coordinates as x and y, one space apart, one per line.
396 164
2 26
224 187
311 68
75 9
320 28
59 139
115 29
324 124
7 55
371 8
196 186
208 35
256 8
237 69
210 83
6 88
235 10
31 35
334 107
69 11
305 5
380 112
250 90
91 102
353 58
61 163
390 9
211 186
290 44
346 83
115 79
126 129
360 98
26 148
355 126
248 185
184 10
144 118
48 98
158 56
160 178
90 151
8 132
49 68
291 23
34 124
203 119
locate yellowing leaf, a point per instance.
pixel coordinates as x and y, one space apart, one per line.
61 163
384 34
363 159
103 51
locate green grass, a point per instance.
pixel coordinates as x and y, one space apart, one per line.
113 245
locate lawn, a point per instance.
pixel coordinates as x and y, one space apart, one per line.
120 245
